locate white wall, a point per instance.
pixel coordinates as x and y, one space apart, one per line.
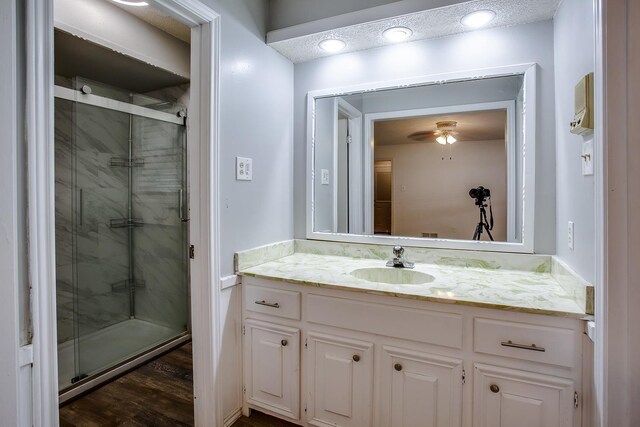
329 14
256 113
286 13
574 192
480 49
103 23
431 191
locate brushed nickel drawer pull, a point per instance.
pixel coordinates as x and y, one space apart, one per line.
531 347
268 304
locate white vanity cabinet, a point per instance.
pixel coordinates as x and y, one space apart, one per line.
339 381
509 398
420 389
273 367
356 360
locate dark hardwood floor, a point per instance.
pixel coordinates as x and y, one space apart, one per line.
258 419
157 394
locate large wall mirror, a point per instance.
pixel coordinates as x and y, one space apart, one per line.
446 161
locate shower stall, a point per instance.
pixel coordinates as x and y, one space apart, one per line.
121 229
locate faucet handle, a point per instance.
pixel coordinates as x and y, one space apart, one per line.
398 251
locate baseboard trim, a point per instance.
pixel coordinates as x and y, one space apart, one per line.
235 415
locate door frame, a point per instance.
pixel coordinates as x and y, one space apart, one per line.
204 143
617 191
354 116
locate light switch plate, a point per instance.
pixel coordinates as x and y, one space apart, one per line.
325 177
570 235
587 158
244 169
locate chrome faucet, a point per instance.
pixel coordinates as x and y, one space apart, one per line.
398 260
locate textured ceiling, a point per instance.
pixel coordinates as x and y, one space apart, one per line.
472 126
425 25
160 20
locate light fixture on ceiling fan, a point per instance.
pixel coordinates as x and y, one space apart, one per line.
446 130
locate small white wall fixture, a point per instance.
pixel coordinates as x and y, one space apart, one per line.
203 140
527 191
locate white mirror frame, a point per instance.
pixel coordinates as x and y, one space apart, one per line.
528 160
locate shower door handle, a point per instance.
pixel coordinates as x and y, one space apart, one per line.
181 215
80 207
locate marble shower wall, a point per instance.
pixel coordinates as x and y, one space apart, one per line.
160 254
64 224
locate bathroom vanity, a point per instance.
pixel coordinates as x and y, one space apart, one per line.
333 337
477 329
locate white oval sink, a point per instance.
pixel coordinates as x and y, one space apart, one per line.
394 276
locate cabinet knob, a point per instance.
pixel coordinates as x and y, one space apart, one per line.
397 367
284 343
356 358
494 388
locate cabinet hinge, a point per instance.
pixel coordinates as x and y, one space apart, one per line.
305 346
464 376
305 409
244 329
575 399
192 252
244 389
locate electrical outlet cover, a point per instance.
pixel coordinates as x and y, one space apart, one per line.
570 235
325 177
244 169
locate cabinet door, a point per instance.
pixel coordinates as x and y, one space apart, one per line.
272 377
339 381
511 398
420 389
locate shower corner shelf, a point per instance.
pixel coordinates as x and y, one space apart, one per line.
128 284
126 163
126 223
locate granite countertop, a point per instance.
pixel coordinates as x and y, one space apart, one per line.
467 281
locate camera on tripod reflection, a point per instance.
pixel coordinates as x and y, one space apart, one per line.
480 194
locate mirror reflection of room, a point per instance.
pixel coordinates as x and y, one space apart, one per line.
434 161
425 168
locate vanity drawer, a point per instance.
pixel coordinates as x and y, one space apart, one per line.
275 302
544 344
431 327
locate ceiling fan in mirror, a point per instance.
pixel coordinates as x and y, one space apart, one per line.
443 134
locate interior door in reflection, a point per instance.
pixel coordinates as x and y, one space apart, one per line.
383 183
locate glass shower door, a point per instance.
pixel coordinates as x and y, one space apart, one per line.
160 253
129 230
100 251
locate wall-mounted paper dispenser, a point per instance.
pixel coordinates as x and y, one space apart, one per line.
582 123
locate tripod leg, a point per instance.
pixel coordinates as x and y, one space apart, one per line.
478 232
488 231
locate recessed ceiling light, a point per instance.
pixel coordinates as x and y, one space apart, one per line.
332 45
397 34
131 2
478 19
